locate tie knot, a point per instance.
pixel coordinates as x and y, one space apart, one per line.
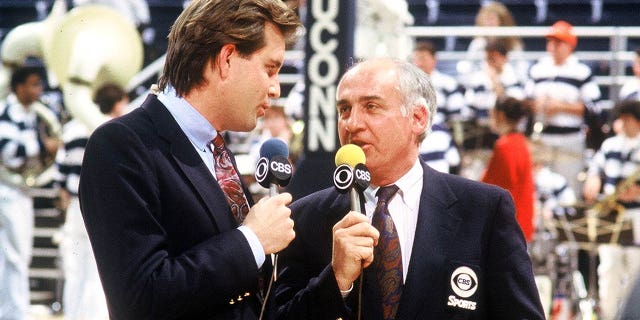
385 194
217 142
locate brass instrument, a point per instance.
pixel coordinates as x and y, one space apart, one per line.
608 204
37 170
83 49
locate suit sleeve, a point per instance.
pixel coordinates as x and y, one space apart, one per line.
123 194
512 292
306 286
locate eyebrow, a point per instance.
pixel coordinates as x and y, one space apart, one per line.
360 99
276 62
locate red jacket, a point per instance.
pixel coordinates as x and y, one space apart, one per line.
510 167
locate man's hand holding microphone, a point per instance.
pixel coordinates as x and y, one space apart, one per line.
270 218
353 237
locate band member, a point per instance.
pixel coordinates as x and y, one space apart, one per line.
614 172
23 146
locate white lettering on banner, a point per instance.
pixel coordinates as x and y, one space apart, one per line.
322 87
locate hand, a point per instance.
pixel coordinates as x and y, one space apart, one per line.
270 220
540 105
591 188
353 241
51 144
62 202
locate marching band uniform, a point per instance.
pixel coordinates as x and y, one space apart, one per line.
18 142
83 297
617 159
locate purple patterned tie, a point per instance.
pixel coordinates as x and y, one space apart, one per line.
388 258
228 179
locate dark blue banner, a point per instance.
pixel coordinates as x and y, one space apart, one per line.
329 48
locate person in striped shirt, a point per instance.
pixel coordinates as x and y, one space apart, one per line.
617 161
21 148
631 88
564 94
495 79
83 297
439 149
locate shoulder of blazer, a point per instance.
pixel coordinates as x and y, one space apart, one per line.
161 118
447 188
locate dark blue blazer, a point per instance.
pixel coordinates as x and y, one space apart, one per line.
162 232
469 259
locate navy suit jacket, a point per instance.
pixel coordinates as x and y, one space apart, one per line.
163 235
469 259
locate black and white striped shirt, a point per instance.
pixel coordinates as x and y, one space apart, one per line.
69 160
617 159
18 133
570 82
449 97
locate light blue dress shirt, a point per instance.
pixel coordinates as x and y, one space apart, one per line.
200 132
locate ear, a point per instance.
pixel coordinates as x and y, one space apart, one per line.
223 60
420 119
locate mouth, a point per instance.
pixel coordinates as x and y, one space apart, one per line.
359 143
262 110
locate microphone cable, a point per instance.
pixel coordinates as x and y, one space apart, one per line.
272 279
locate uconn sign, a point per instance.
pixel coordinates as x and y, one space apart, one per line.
330 45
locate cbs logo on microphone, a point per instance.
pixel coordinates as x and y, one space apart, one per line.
344 177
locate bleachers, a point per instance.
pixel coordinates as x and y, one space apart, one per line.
530 12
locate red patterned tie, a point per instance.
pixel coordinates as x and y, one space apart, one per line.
228 179
388 258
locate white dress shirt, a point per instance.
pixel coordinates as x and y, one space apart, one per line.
403 209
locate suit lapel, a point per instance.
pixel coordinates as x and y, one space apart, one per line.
190 163
436 227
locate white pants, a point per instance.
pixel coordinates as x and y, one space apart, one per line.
566 155
16 244
83 297
616 274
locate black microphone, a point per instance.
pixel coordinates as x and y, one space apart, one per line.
351 174
273 168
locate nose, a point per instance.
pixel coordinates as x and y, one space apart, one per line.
354 122
274 89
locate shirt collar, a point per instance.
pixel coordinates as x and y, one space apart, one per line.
194 125
409 187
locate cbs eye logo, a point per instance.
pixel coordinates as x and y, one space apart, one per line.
343 177
464 282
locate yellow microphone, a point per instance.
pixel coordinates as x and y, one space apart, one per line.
351 174
350 154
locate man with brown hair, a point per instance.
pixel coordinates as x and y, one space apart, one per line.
172 227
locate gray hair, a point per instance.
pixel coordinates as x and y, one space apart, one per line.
415 88
417 91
